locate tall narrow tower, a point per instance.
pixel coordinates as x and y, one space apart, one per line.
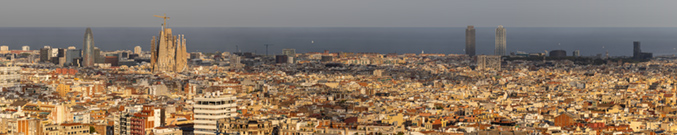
470 40
500 41
88 49
637 50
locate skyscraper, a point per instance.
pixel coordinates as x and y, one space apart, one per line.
638 54
637 50
168 52
72 55
470 40
88 49
45 54
577 53
97 55
500 41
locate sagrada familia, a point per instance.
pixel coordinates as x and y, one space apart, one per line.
168 52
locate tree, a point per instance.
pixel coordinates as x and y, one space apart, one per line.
92 129
25 54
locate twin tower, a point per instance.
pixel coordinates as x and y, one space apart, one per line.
470 41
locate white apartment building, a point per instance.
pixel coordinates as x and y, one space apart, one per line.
10 76
211 107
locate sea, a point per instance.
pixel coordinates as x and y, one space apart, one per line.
617 41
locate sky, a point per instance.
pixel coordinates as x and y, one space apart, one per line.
339 13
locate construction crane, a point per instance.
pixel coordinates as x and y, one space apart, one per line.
164 17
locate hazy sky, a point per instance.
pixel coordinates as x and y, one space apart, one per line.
340 13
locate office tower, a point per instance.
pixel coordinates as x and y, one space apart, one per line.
558 53
61 52
488 62
72 56
25 48
577 53
45 54
289 52
124 55
97 56
54 52
88 49
470 40
500 41
60 58
281 58
168 52
637 50
137 50
211 107
113 60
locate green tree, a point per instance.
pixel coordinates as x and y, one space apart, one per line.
92 130
25 54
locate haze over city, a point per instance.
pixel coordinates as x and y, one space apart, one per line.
342 13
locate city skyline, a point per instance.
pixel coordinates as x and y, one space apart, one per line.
351 13
301 67
590 41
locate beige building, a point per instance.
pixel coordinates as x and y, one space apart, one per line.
245 126
63 89
167 131
4 48
9 76
66 129
168 52
137 50
488 62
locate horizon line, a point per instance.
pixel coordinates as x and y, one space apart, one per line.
336 27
